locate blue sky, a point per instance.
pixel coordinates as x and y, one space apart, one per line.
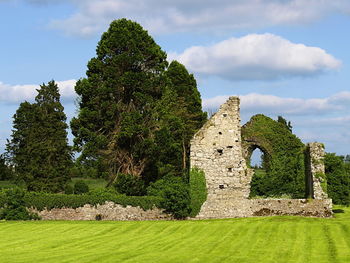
282 57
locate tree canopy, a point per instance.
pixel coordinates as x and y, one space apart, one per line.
136 116
116 121
38 149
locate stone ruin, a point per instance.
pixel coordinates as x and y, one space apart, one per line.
217 150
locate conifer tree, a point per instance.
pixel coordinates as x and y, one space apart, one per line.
39 148
188 105
116 121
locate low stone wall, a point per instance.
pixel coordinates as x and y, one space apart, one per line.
230 208
299 207
107 211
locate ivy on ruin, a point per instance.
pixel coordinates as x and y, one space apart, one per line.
283 157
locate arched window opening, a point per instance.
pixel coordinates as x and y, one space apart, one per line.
256 160
259 163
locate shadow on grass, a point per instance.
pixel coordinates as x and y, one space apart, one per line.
338 211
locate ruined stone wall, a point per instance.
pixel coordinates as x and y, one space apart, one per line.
230 208
217 150
107 211
315 152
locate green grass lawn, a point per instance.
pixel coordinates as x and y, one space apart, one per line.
91 182
267 239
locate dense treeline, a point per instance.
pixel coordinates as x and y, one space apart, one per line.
136 116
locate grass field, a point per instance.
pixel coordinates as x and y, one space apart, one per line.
265 239
91 182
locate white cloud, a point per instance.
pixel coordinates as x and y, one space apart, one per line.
317 119
256 57
162 16
18 93
270 104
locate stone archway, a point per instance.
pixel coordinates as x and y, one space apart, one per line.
284 153
220 149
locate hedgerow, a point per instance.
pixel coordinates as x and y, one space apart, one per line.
40 201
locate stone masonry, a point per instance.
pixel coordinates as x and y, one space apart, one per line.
316 153
106 211
217 150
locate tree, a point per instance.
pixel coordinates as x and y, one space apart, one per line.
39 148
179 114
338 179
5 171
116 121
189 105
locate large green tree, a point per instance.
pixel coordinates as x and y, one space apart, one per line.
116 120
180 115
39 148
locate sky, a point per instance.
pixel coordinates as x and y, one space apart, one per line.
282 57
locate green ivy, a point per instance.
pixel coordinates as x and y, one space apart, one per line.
198 190
283 157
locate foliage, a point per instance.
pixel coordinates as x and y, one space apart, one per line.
257 184
338 178
283 157
68 189
180 115
12 201
46 200
286 123
39 149
117 100
5 171
80 187
83 168
129 185
174 193
198 190
93 183
136 116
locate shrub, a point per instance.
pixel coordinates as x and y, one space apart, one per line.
129 185
14 206
80 187
198 191
174 193
68 189
40 201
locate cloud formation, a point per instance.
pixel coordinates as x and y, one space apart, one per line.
19 93
256 57
325 120
270 104
162 16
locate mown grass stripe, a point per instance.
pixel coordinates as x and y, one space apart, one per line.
247 240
